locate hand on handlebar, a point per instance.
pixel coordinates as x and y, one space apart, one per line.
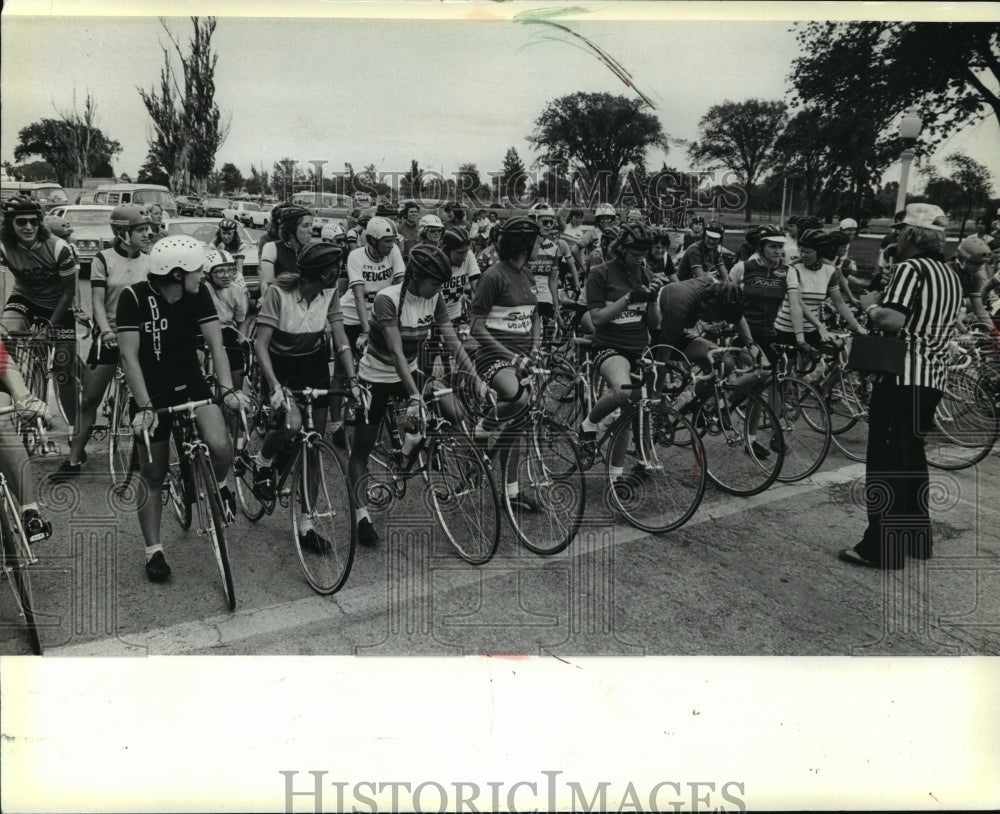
236 400
145 421
32 407
279 398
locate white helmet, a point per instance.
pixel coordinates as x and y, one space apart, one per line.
218 257
331 232
352 234
379 227
848 223
542 210
604 211
176 252
429 222
634 213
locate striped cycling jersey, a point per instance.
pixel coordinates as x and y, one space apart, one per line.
544 259
813 285
38 271
418 314
928 293
373 274
299 326
505 298
113 270
458 285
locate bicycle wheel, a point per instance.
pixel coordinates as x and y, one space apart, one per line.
805 429
321 501
207 494
247 445
123 457
32 363
177 488
966 423
545 463
739 463
463 495
564 394
847 395
16 556
664 479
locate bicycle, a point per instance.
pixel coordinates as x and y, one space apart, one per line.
846 394
321 491
200 487
455 472
17 557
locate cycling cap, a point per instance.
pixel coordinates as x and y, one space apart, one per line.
430 262
429 222
293 212
715 229
227 225
22 205
604 211
635 236
634 213
216 259
813 239
316 259
332 232
519 225
378 228
58 225
352 234
769 234
974 248
848 223
542 210
455 237
176 252
130 215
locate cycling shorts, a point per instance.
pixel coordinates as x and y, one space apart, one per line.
196 391
33 313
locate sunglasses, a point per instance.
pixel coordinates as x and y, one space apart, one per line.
26 221
546 222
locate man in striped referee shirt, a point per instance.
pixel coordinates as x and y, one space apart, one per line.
920 302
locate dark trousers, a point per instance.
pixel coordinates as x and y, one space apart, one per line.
896 480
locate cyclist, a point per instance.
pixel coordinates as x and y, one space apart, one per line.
704 258
456 244
111 272
544 262
227 239
44 269
622 297
409 216
659 262
278 257
293 352
695 232
13 457
794 227
835 252
809 282
60 227
272 228
634 216
575 234
159 223
158 323
334 234
231 306
488 256
970 264
763 279
429 231
401 316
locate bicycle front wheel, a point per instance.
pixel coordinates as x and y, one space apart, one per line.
739 462
122 449
16 557
207 492
544 462
665 476
966 424
177 487
247 445
323 517
847 395
463 495
805 429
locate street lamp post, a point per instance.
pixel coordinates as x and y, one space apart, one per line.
909 129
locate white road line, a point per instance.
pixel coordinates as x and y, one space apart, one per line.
228 629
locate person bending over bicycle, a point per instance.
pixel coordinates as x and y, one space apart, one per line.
44 269
401 317
13 457
623 306
293 352
111 272
159 322
507 327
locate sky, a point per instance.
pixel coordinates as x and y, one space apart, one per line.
385 91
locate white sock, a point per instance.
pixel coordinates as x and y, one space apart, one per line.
305 524
615 471
362 514
151 550
513 489
588 426
222 483
260 460
33 506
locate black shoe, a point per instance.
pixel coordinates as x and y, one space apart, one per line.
759 451
157 569
66 472
522 502
851 556
35 528
777 443
228 503
587 442
367 536
310 540
263 482
339 438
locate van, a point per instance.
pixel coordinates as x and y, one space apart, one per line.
47 193
145 194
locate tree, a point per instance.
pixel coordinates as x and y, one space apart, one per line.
598 135
152 173
409 184
739 136
513 178
468 182
286 177
231 178
58 143
949 69
187 126
257 184
969 187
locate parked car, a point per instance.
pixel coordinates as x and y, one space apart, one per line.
212 207
145 194
249 213
204 229
323 216
47 193
186 205
91 231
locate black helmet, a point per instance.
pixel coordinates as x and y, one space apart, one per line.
838 238
808 222
22 205
635 236
315 259
455 237
609 235
431 263
752 236
519 225
812 239
293 212
725 298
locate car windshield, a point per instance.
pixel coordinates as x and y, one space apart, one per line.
205 230
54 194
251 207
89 217
219 203
151 196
